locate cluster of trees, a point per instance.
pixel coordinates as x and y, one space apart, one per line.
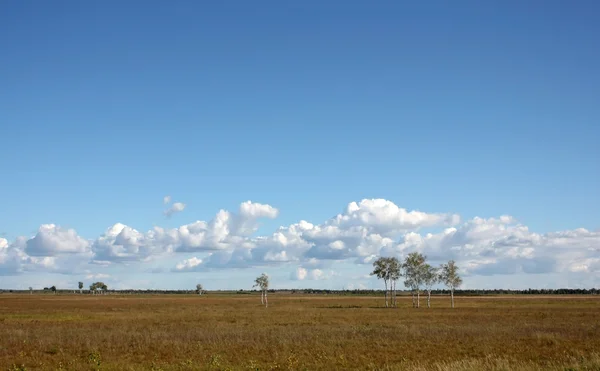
418 275
96 286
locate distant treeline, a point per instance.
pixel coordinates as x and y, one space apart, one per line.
473 292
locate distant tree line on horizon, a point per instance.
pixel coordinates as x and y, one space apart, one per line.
310 291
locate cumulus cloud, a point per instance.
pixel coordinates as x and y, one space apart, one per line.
497 246
226 230
188 265
363 231
52 240
177 207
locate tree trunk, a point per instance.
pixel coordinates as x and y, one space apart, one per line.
262 297
80 291
418 298
413 297
428 298
452 297
266 300
386 292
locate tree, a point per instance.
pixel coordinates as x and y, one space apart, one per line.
394 267
431 276
381 269
31 290
199 289
413 271
98 286
53 288
262 281
451 278
80 287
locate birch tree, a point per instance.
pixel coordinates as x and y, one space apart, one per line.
262 281
199 289
431 277
381 269
394 267
451 278
80 287
413 271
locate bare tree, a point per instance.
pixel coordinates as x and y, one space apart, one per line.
451 278
199 289
80 287
413 271
381 269
262 281
431 276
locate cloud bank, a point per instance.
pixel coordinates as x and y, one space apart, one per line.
361 232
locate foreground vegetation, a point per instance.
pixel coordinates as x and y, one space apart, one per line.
178 332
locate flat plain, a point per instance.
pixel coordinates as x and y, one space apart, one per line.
297 332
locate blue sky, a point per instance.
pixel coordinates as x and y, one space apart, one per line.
479 109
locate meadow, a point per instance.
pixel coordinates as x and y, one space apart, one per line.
297 332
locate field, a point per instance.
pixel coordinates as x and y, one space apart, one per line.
178 332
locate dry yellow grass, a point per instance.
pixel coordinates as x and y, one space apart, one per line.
168 332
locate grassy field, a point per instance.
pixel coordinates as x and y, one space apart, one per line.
168 332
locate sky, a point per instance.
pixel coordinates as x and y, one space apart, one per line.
163 144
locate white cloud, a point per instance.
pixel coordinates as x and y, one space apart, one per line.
166 200
299 274
52 240
177 207
361 231
372 227
188 265
500 246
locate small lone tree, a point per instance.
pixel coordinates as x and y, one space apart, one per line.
53 288
262 281
450 278
80 287
199 289
30 290
431 276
